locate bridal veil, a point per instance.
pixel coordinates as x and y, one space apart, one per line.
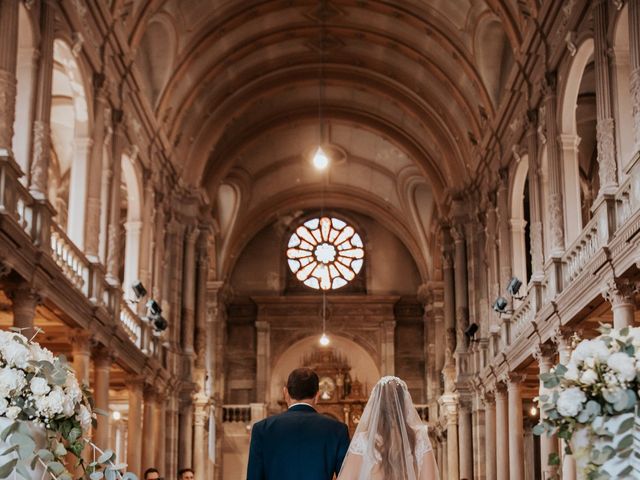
391 442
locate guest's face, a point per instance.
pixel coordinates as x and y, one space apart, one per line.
152 476
187 476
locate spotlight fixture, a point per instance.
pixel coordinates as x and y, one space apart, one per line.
471 330
116 415
320 159
154 308
514 287
138 290
533 411
324 340
500 305
159 323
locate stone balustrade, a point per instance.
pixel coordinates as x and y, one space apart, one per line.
236 413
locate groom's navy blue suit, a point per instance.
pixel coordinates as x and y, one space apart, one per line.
299 444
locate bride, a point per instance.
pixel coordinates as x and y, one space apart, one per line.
391 441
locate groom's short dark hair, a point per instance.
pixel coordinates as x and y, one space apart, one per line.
303 383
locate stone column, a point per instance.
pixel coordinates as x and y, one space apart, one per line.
185 434
563 339
135 387
620 292
490 435
450 405
465 440
516 428
81 352
149 439
556 211
102 361
388 347
201 300
634 60
189 291
200 444
8 63
535 203
113 229
461 285
78 190
160 428
449 313
132 231
24 300
548 444
263 357
502 433
605 123
479 434
41 147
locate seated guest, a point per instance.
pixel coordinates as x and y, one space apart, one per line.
186 474
151 474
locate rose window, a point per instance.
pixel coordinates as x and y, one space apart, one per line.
325 253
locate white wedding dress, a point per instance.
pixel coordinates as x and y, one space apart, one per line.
391 441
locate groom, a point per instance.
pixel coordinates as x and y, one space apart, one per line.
299 444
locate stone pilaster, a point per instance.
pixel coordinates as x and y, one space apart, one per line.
185 433
189 291
556 215
502 432
490 434
620 292
82 342
135 388
535 203
150 441
113 229
465 440
200 446
102 361
563 339
24 298
41 151
449 310
449 404
8 63
605 122
634 59
461 287
263 358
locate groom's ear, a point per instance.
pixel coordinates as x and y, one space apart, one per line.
285 394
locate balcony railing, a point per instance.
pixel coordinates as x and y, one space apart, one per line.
132 323
70 259
523 316
583 249
236 414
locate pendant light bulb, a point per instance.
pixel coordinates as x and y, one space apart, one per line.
324 340
320 159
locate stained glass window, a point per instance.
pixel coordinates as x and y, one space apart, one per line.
325 253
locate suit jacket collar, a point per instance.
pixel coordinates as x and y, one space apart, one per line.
302 407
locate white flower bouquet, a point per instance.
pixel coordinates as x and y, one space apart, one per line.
592 403
40 390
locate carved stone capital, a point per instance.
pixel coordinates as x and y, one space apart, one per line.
621 291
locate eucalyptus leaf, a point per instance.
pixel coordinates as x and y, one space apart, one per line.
23 471
626 425
96 475
106 456
110 474
7 468
9 450
560 369
45 455
8 431
539 429
626 442
129 476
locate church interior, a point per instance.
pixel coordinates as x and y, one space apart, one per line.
197 197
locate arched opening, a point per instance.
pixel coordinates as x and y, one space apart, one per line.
520 223
586 123
576 132
622 88
131 206
70 143
26 76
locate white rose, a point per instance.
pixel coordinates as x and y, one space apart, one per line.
572 373
67 406
16 354
590 349
72 388
11 381
84 417
589 377
623 365
52 404
570 402
13 412
40 354
39 386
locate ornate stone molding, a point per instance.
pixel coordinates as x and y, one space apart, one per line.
635 104
606 153
8 90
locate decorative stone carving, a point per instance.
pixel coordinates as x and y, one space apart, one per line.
570 40
606 153
621 291
635 104
556 220
7 109
40 159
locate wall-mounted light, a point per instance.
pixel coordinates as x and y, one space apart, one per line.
138 290
514 287
471 331
500 305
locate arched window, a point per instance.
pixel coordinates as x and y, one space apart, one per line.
131 205
622 88
71 143
586 123
577 127
26 76
520 223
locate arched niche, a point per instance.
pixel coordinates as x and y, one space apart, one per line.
493 54
26 70
519 221
621 70
71 142
156 63
363 366
570 139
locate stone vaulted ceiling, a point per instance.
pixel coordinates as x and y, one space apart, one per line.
406 88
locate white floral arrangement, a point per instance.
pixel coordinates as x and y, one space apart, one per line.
40 390
600 382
